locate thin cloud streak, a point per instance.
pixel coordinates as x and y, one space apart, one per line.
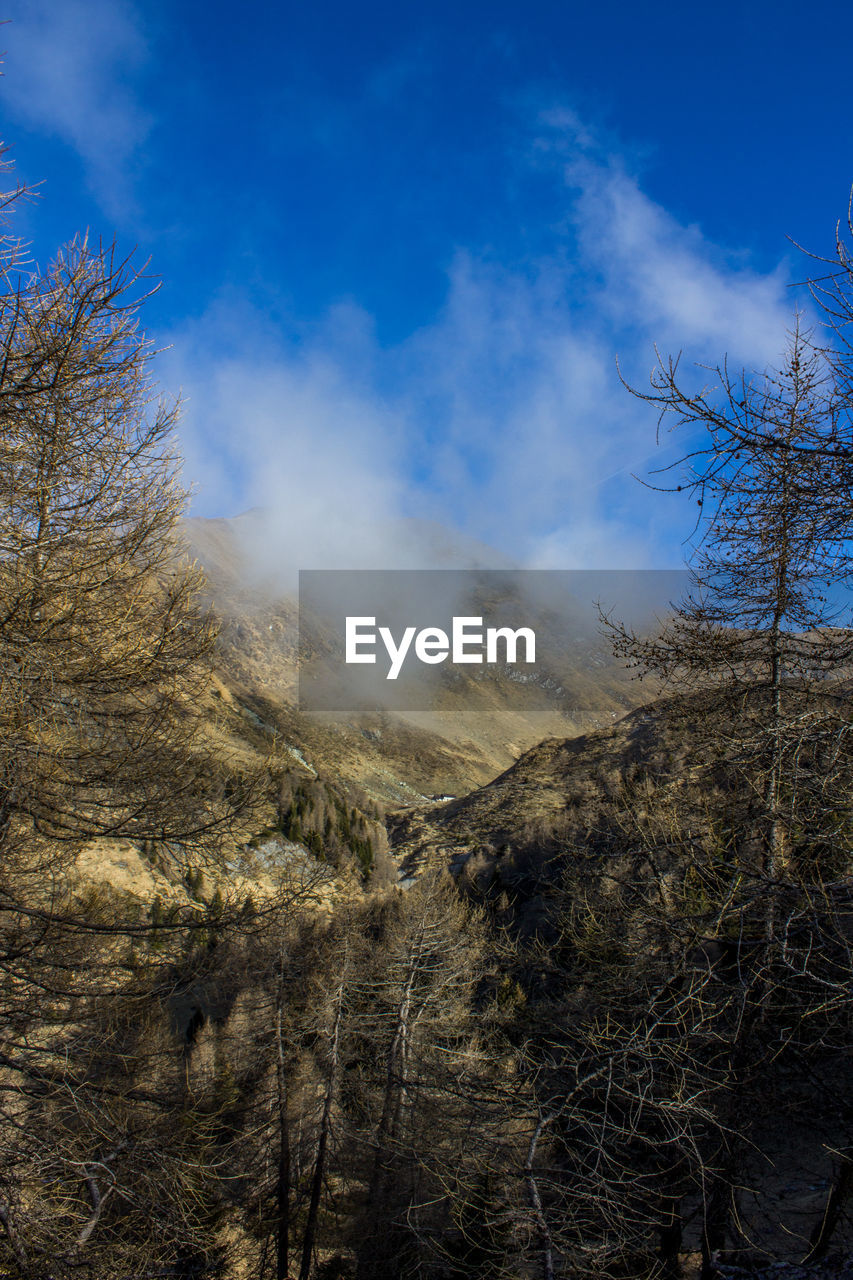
69 73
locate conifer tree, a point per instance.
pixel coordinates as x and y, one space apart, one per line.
755 657
763 634
103 659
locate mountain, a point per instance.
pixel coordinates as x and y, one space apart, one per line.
556 792
626 869
476 728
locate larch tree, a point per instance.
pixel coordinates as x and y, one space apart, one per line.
103 646
423 1103
104 654
763 636
755 657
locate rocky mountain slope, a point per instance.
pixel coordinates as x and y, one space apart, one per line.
555 791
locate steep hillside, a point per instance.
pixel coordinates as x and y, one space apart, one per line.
558 790
627 870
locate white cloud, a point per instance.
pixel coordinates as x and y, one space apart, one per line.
69 70
290 430
669 279
505 415
538 436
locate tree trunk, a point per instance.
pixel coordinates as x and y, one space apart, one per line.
670 1234
535 1201
282 1187
322 1142
389 1124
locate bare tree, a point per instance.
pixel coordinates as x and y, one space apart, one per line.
427 1107
104 658
103 647
764 632
755 657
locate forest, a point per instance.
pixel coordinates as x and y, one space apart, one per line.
616 1045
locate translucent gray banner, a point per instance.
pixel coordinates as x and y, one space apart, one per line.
429 639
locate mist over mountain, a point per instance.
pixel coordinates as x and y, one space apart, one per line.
477 725
253 548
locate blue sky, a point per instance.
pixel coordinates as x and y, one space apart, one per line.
401 245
